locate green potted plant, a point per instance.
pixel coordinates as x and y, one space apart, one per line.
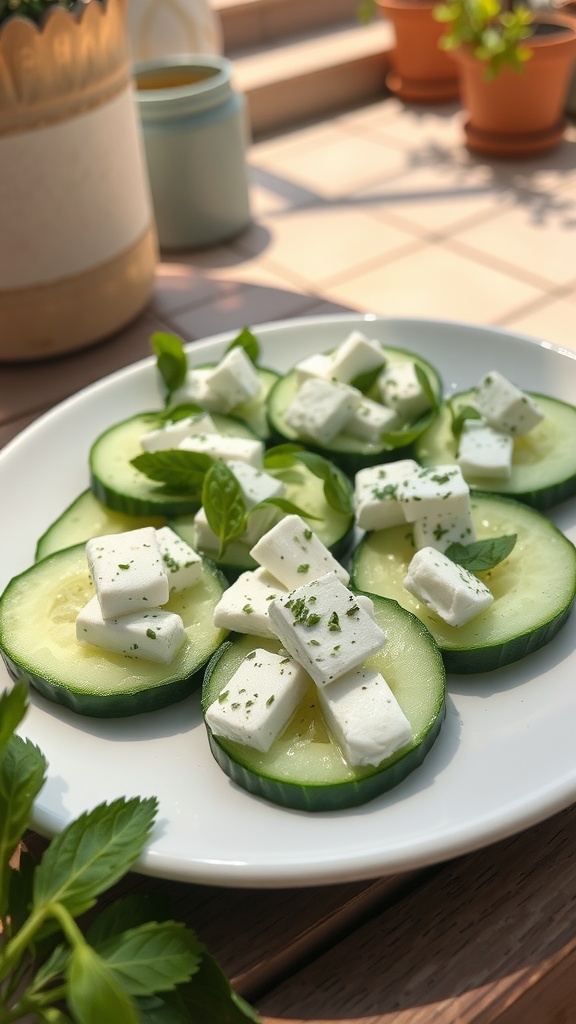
420 71
515 68
78 244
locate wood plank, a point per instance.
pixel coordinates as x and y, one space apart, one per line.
489 939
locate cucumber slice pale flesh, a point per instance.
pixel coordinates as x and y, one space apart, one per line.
543 463
304 768
534 587
38 642
87 517
351 453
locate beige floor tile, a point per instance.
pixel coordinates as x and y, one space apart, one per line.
435 282
553 321
410 124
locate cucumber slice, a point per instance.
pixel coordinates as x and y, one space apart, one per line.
544 460
350 453
38 641
304 769
121 487
305 490
534 587
87 517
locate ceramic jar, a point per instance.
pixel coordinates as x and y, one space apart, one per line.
195 136
78 246
162 28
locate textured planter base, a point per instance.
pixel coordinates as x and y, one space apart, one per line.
495 144
414 90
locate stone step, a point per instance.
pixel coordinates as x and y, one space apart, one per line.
250 23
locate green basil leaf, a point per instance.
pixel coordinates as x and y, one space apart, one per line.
336 490
286 506
468 412
249 342
182 411
178 470
282 456
155 957
365 381
171 361
94 994
13 704
92 853
424 382
224 504
127 912
22 775
393 439
482 554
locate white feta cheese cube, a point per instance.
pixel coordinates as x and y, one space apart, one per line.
505 406
259 700
128 571
226 447
441 530
204 537
363 717
355 356
485 451
244 605
376 494
235 378
433 491
196 388
257 486
401 390
318 365
183 565
154 635
171 434
447 589
321 409
294 554
371 420
325 629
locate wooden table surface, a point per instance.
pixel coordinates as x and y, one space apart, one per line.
489 937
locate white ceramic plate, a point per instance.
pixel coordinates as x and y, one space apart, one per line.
505 756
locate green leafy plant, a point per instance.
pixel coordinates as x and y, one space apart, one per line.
33 9
125 967
496 31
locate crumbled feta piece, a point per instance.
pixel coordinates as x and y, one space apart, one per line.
505 406
316 365
294 554
356 355
171 434
371 420
441 530
257 486
376 494
204 537
244 605
433 491
128 571
447 589
485 451
226 447
324 628
196 388
259 700
154 634
321 409
183 565
235 378
364 717
401 390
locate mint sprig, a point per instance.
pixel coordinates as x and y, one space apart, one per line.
467 412
224 504
336 490
482 555
249 342
127 968
171 361
176 469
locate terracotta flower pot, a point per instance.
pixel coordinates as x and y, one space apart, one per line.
421 71
520 113
78 244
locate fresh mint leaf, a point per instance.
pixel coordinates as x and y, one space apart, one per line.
286 506
12 711
336 489
20 891
224 504
128 912
365 381
424 382
282 456
92 853
53 968
22 775
468 412
94 993
210 999
171 361
155 957
182 411
249 342
179 471
482 555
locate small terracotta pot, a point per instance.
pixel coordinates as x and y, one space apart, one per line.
421 71
520 113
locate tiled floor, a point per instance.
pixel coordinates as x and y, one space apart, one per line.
383 210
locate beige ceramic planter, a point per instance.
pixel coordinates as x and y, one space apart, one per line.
78 243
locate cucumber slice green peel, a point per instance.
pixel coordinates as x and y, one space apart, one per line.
544 460
348 452
534 587
304 769
87 517
38 641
